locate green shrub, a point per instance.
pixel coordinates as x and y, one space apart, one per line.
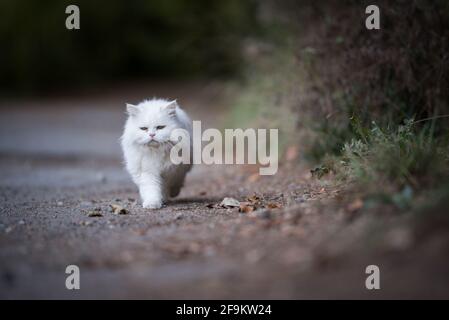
403 155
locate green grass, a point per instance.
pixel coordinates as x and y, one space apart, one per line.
403 155
397 164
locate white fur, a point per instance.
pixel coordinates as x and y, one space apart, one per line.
148 159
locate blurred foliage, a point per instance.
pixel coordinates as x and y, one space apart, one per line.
405 155
356 76
370 106
376 101
118 40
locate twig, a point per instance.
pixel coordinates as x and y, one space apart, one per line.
431 118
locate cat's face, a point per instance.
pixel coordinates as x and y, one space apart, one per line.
151 122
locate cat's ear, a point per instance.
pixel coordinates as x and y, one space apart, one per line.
171 108
132 110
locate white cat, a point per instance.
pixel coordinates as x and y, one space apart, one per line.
146 146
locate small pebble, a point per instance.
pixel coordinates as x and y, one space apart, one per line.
179 216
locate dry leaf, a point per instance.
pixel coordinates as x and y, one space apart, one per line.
253 198
273 205
230 203
245 208
255 202
117 209
355 205
94 213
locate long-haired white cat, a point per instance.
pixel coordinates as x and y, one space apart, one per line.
146 146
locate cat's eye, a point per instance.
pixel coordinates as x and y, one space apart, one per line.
143 128
160 127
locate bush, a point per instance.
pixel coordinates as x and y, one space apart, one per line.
403 156
355 91
386 76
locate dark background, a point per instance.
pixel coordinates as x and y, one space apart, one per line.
118 40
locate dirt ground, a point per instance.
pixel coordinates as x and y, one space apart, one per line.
60 159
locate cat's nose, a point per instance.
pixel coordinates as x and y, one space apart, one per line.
152 135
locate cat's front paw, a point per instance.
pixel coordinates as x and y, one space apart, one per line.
152 204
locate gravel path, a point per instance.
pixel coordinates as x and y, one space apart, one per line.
60 161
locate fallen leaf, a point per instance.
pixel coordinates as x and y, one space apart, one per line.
230 203
117 209
245 208
253 198
355 205
273 205
255 201
94 213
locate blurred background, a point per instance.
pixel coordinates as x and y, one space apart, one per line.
119 40
363 119
125 51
